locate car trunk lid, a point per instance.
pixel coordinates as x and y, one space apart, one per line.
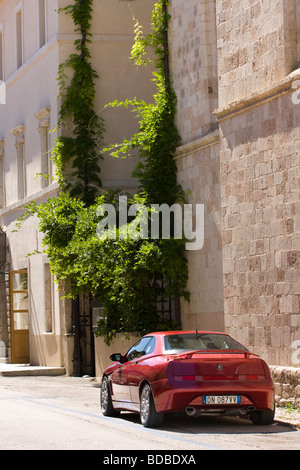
221 365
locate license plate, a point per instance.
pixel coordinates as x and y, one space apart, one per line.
221 400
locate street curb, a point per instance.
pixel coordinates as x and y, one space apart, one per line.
33 371
287 418
285 422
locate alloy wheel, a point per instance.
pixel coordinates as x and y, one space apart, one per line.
145 404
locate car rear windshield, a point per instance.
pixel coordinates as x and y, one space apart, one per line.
200 341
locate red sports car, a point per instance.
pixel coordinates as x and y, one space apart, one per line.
196 372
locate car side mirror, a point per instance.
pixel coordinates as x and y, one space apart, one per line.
117 357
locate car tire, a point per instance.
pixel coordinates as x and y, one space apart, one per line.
148 414
264 417
105 399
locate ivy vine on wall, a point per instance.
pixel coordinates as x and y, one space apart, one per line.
79 153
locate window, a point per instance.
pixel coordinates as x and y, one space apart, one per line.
19 36
141 348
19 133
44 128
200 341
42 22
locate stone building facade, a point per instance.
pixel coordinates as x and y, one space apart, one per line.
235 69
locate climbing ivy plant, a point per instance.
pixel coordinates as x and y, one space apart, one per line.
80 151
129 275
158 137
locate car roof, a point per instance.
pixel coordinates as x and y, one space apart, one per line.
177 332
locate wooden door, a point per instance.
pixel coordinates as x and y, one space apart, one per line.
19 317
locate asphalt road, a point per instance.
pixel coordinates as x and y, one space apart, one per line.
63 413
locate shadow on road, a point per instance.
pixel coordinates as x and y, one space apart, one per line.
180 423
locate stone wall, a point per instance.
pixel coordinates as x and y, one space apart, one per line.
287 386
260 174
241 159
199 174
193 59
256 45
260 213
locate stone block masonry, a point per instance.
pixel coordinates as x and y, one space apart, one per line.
234 63
257 45
258 58
199 175
260 177
287 386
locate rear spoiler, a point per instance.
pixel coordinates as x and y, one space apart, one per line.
189 354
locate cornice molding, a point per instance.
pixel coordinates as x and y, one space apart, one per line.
197 145
47 192
43 116
271 93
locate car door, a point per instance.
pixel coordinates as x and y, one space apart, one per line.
121 391
139 370
122 377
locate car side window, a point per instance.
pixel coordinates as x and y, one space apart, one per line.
150 346
141 348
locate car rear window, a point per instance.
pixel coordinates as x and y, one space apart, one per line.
200 341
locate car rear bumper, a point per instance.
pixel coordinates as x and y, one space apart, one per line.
258 394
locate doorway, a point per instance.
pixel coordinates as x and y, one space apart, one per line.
84 347
19 317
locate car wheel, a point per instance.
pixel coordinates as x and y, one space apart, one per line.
105 399
149 416
265 417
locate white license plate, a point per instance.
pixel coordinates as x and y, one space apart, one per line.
221 400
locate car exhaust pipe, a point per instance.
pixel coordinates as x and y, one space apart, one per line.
251 408
247 410
192 412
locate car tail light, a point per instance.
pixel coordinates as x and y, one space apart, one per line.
185 378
